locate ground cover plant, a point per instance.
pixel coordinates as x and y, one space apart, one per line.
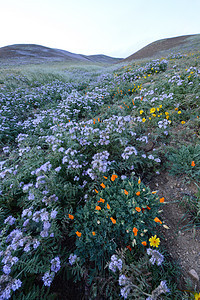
78 148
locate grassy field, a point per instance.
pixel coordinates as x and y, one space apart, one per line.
80 148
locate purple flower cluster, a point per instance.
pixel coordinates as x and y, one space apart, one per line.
128 151
156 256
9 284
72 258
115 264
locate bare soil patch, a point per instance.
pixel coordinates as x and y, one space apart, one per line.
181 241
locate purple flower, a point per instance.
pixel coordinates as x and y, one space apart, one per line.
10 220
72 259
53 214
16 284
55 264
48 278
6 269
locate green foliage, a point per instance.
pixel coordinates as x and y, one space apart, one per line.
106 222
185 160
61 131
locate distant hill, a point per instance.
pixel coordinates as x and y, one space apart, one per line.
31 53
165 47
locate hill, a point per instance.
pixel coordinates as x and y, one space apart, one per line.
31 53
185 43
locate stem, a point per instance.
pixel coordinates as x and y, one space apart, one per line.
135 286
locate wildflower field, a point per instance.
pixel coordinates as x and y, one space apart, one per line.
79 146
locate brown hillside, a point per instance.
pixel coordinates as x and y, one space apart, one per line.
154 48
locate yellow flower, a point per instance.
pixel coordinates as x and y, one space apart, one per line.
152 110
141 111
197 296
154 241
143 120
166 113
179 112
182 122
154 115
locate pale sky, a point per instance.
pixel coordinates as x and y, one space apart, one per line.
112 27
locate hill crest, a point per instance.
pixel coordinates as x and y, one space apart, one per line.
33 53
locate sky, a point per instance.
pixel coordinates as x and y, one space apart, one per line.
116 28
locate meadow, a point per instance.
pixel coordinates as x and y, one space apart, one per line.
79 147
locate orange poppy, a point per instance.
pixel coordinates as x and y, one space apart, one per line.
125 192
139 180
135 230
148 207
157 220
102 185
108 206
93 233
144 243
78 233
193 163
101 200
113 177
105 177
129 247
71 216
96 191
98 207
138 209
113 220
162 200
138 193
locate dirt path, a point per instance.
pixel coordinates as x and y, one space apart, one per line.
182 241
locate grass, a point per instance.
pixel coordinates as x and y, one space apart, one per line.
78 146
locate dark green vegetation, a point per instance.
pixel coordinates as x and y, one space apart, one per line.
79 147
